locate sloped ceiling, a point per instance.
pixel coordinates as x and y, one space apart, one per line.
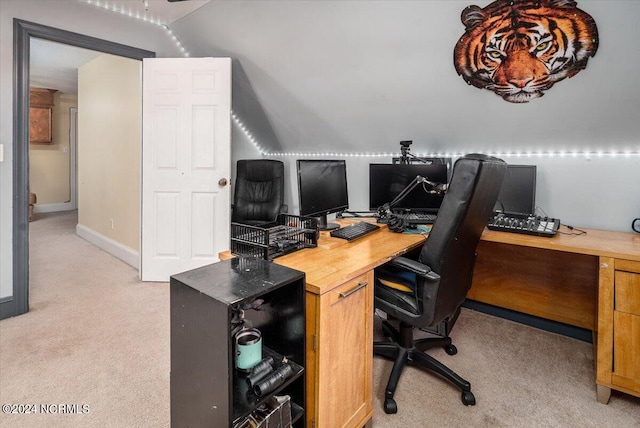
359 76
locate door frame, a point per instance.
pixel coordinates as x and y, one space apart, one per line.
18 303
73 158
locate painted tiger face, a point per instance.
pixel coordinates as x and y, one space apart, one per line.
520 48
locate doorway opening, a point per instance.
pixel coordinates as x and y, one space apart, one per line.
18 303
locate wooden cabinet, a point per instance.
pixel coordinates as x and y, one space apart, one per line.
618 339
205 303
40 115
339 354
339 311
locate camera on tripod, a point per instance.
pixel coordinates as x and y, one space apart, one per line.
404 150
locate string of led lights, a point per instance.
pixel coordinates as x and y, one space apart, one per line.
574 154
245 129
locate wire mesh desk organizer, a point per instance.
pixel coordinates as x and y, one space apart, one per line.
287 234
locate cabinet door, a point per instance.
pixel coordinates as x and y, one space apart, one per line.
40 125
345 354
626 330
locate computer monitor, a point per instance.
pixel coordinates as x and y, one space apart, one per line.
518 191
386 181
322 189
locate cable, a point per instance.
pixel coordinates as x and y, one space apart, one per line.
543 211
580 231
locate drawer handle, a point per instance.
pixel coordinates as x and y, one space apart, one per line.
350 292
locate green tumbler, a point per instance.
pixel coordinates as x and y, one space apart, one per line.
248 348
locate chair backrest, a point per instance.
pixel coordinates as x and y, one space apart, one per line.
450 249
259 192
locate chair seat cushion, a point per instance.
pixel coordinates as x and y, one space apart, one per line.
397 288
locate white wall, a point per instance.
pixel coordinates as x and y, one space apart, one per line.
109 144
70 15
359 76
595 192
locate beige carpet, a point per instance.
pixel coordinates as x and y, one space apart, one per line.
97 336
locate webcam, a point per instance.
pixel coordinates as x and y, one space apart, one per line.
406 143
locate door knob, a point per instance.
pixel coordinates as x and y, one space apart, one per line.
222 182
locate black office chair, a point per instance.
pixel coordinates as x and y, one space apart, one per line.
259 193
428 292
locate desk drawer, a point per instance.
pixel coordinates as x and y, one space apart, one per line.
626 325
626 346
627 292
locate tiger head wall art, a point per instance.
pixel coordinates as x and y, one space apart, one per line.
521 48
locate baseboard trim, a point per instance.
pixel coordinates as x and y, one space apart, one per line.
8 307
52 208
531 320
116 249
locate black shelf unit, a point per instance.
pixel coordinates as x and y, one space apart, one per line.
206 390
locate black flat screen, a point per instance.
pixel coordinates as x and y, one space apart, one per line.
322 187
386 181
518 191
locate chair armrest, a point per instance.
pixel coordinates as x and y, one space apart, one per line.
416 267
412 265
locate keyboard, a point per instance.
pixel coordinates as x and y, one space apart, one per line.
354 231
414 218
539 226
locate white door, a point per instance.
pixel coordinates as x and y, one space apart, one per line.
186 145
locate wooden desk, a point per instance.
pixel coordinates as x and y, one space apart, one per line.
572 280
569 279
339 322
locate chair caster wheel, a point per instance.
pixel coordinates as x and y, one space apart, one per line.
468 399
451 349
390 406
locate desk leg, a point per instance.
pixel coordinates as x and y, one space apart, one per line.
604 338
603 394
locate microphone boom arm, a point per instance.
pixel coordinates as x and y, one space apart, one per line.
437 189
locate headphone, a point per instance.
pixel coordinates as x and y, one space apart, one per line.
396 224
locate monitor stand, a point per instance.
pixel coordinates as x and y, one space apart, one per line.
324 225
